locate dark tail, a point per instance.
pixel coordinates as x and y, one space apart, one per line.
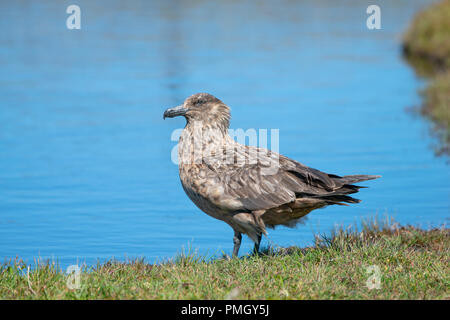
341 195
357 178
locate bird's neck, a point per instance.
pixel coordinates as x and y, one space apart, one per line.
199 141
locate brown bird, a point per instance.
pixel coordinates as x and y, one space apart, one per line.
247 187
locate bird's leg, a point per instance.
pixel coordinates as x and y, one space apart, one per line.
237 243
256 248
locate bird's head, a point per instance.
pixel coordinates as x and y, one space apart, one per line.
202 107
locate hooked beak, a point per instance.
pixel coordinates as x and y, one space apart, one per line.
175 112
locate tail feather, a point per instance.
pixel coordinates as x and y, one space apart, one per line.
357 178
340 195
338 198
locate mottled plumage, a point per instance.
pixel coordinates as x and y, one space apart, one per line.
247 187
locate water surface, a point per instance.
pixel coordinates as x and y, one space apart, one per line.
85 157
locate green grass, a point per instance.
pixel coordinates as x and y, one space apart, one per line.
427 38
413 264
426 45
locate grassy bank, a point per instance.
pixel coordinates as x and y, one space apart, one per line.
427 46
412 264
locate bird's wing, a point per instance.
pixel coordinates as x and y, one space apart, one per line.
271 180
265 180
255 190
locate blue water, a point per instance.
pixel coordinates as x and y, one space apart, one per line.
85 156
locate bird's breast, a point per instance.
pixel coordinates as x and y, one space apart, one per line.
205 188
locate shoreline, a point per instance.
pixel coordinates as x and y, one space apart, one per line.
382 261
